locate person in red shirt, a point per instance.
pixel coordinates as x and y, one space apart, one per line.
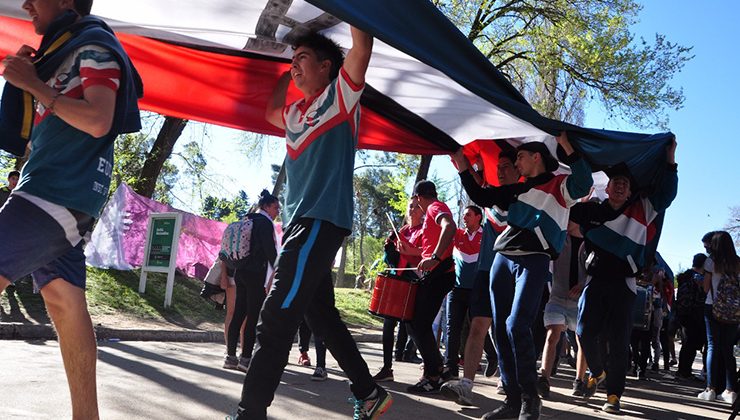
438 232
410 235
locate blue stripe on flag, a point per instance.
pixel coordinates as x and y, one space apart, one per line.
301 265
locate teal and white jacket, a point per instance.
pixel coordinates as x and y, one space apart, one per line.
538 209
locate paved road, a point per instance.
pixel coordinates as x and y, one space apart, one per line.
158 380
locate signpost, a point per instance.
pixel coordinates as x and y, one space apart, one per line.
160 254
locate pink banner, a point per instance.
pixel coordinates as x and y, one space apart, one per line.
119 239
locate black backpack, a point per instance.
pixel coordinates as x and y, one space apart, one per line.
690 296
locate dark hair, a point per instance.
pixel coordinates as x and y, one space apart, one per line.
266 199
723 254
707 238
83 7
476 210
425 189
508 154
14 173
699 260
325 49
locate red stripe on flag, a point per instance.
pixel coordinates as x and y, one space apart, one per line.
219 89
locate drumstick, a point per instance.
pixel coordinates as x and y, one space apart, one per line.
398 238
402 269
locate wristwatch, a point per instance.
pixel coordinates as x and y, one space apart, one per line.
435 257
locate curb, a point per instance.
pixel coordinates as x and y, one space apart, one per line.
23 331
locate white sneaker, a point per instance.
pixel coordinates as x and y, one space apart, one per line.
727 396
707 395
457 392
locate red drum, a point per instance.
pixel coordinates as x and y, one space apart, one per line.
393 297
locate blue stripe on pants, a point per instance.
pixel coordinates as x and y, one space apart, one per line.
302 258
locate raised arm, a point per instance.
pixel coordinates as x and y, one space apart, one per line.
358 57
579 181
92 114
482 196
667 189
274 111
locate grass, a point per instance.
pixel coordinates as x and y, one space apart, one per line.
113 293
352 305
116 292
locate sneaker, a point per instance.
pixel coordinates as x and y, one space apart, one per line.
304 360
531 407
424 386
236 414
373 408
727 396
231 362
507 410
385 375
642 376
319 374
673 362
611 405
490 369
707 395
543 387
457 392
244 364
592 383
578 386
654 367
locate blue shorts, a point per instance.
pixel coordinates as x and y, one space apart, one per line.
480 296
42 239
557 314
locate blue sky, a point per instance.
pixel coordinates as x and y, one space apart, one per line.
709 159
708 154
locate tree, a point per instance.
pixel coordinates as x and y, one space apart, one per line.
130 151
195 166
160 151
561 53
224 209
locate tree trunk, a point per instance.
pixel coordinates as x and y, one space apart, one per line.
424 163
161 151
280 181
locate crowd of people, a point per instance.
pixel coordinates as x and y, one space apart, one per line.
538 263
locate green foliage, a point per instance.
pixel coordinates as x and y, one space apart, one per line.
563 53
370 252
224 209
130 151
195 166
7 164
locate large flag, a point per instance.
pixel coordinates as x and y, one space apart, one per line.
429 91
